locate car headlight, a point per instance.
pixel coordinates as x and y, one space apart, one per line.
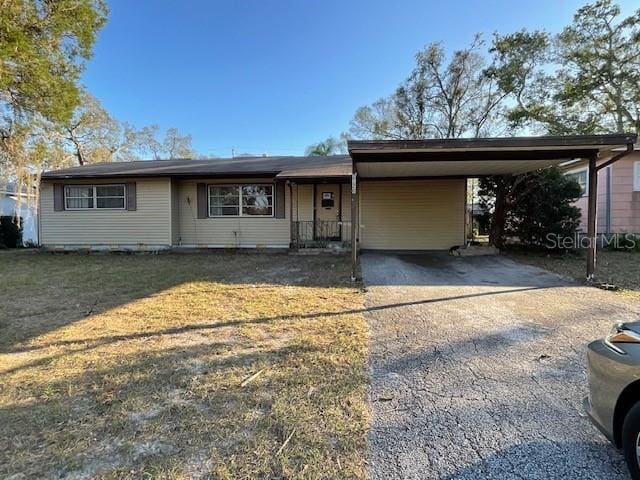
620 334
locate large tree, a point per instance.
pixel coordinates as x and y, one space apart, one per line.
441 98
173 145
43 47
92 135
586 79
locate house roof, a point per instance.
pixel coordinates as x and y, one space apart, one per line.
469 157
460 157
286 167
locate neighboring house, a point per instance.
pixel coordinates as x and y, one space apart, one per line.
618 193
403 195
20 204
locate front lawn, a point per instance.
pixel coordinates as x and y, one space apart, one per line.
615 267
181 366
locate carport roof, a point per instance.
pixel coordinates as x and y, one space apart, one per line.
467 157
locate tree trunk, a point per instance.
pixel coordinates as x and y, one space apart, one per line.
496 234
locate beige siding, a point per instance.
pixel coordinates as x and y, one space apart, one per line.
412 215
148 226
231 232
346 202
175 214
303 202
346 212
303 211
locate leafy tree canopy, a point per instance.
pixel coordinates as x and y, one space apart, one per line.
443 97
173 145
43 46
530 206
329 146
586 79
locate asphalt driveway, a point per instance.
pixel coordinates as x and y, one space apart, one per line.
478 371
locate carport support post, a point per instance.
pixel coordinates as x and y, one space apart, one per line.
354 227
592 218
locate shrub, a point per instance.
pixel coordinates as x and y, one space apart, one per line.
532 207
10 232
621 242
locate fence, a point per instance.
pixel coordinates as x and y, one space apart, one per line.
319 232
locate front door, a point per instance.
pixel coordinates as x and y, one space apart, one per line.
327 202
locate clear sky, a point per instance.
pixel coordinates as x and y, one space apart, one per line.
267 76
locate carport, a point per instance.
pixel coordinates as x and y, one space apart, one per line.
395 213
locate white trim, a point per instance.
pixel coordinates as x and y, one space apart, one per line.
94 197
240 206
636 176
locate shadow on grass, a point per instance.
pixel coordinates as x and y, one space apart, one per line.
92 343
167 410
43 292
172 403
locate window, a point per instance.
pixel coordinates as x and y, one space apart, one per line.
636 176
78 197
257 200
581 178
240 200
224 201
110 196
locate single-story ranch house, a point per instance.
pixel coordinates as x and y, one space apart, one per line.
389 195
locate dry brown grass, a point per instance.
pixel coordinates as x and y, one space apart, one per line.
132 367
618 268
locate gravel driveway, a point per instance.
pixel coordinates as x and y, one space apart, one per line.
478 370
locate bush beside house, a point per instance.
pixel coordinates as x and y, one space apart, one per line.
10 232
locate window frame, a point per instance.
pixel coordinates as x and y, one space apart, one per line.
94 196
636 176
239 186
585 193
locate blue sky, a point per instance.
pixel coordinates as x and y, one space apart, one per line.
266 76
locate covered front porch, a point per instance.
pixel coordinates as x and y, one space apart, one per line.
320 214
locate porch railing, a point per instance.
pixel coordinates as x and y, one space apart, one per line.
307 233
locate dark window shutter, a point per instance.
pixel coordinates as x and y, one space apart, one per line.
280 206
131 196
202 201
58 197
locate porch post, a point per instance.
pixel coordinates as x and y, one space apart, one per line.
592 218
354 227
